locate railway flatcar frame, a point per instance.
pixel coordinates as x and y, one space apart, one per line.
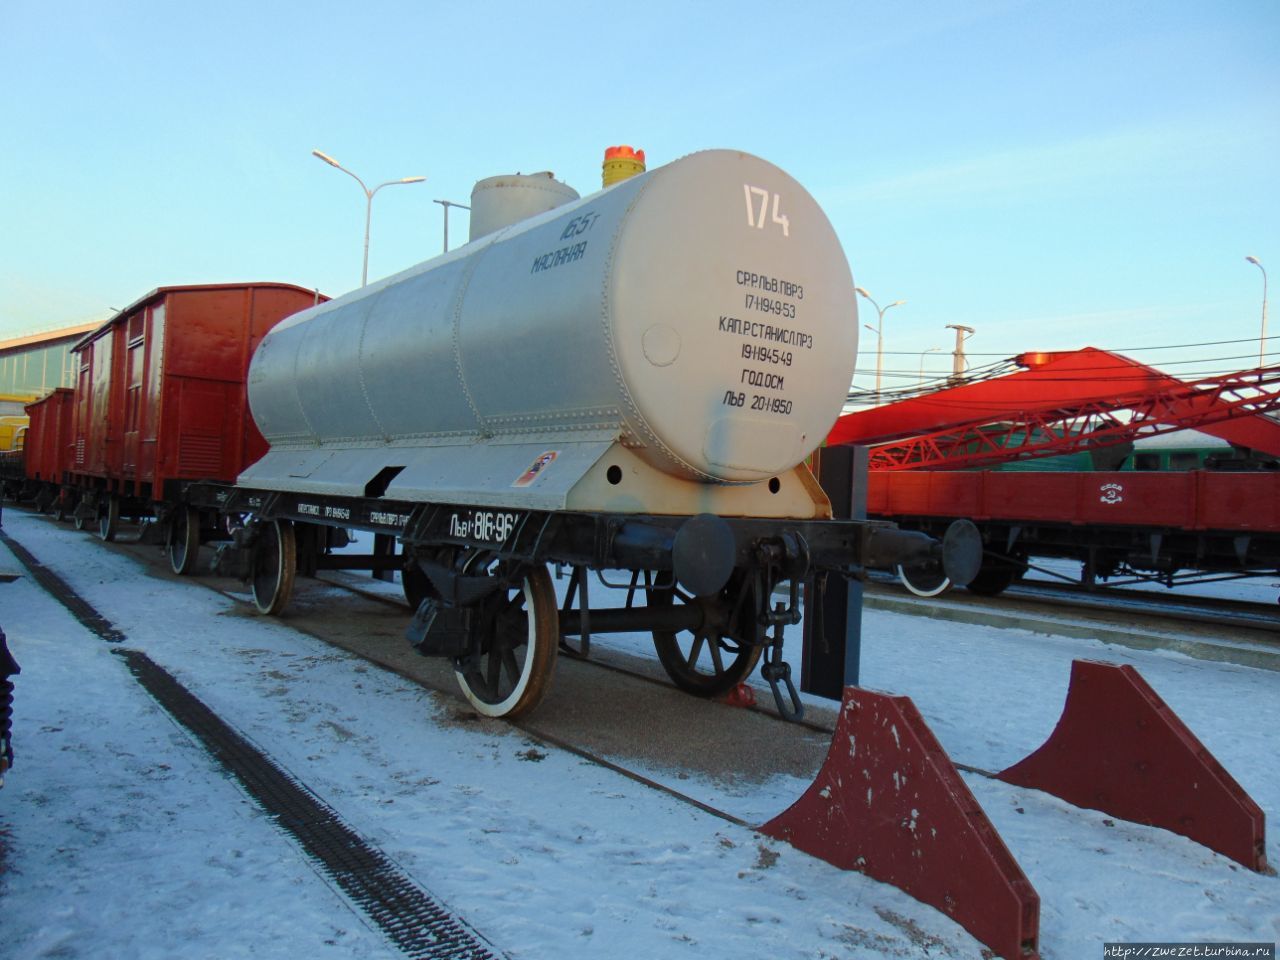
1170 528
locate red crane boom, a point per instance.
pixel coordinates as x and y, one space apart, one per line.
1062 403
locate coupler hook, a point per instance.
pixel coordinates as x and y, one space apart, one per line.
778 672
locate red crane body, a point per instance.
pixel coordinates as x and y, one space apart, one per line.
1149 526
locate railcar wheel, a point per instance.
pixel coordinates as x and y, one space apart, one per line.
109 519
924 581
511 672
275 564
63 506
184 540
996 576
706 662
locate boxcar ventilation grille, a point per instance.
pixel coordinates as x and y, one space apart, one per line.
199 456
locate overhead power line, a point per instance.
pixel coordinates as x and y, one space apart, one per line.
1170 363
1170 346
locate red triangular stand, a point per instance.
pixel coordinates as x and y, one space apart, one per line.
1119 748
889 803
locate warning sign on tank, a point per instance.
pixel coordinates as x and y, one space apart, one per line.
536 468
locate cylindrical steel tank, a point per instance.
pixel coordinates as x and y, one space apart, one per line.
498 202
703 312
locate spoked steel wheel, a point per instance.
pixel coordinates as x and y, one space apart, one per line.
925 580
275 563
184 540
519 630
109 519
709 660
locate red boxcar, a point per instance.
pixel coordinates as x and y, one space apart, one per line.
161 392
48 454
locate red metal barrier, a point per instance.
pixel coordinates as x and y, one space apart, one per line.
1120 749
889 803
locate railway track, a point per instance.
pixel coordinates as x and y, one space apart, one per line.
1157 619
1216 611
609 660
794 748
620 664
1185 609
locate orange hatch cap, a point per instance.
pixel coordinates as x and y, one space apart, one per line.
620 163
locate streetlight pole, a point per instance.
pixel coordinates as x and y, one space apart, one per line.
879 332
922 353
1262 340
447 204
368 208
963 333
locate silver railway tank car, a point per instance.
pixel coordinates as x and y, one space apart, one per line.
630 381
696 322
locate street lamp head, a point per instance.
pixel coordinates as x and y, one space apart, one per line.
368 208
863 291
896 303
1254 261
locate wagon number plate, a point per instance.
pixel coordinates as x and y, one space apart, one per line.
483 526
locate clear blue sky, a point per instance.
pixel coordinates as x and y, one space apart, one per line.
1052 174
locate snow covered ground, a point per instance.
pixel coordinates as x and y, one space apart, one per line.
120 838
